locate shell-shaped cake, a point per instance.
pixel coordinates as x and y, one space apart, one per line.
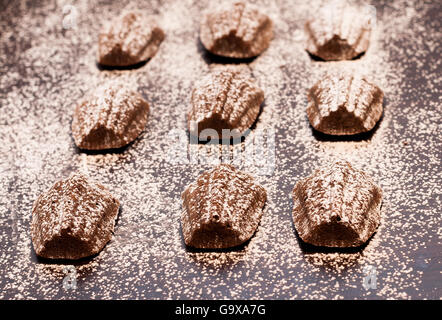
340 30
111 117
129 39
226 99
236 31
337 206
344 105
74 219
221 209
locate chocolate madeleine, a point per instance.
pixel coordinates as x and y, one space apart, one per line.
221 209
226 99
129 39
340 30
74 219
236 31
111 117
337 206
344 105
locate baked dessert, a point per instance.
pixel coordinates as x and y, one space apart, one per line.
227 99
337 206
74 219
238 30
110 117
129 39
221 209
344 104
340 30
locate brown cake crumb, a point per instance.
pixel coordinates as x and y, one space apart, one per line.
236 31
73 219
226 99
337 206
129 39
111 117
344 105
339 31
222 208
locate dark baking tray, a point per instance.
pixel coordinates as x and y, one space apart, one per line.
46 66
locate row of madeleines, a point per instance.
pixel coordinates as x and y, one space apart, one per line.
337 206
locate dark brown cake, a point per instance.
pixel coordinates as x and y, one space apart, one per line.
74 219
129 39
236 31
111 117
344 105
226 99
221 209
340 30
337 206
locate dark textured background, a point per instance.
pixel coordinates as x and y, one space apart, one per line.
45 69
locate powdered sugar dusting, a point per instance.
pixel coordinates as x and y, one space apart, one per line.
46 69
